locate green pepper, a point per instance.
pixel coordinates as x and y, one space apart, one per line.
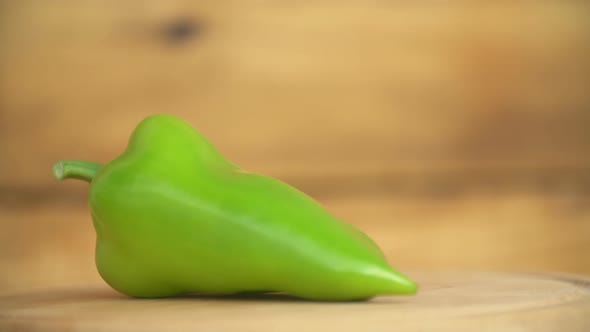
173 216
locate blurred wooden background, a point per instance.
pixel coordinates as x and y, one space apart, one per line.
456 134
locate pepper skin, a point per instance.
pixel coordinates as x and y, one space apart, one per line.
173 216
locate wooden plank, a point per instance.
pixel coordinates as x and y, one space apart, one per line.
299 88
52 243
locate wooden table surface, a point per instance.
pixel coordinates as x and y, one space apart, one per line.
450 301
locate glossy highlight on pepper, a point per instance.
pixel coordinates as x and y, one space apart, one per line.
173 216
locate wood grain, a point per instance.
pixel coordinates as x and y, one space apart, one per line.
301 88
459 301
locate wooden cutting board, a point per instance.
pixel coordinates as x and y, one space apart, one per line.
449 301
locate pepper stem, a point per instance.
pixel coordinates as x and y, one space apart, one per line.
75 169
